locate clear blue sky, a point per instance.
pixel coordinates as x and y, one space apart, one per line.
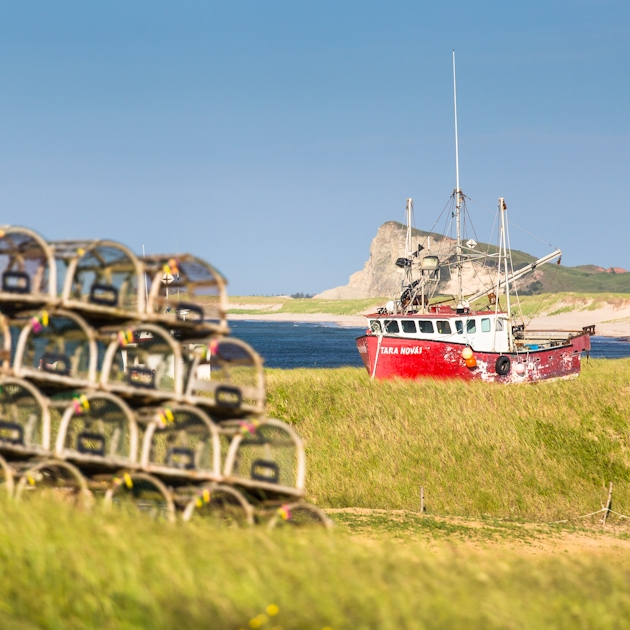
274 137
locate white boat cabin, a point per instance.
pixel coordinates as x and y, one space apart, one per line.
482 331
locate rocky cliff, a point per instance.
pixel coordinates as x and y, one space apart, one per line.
381 278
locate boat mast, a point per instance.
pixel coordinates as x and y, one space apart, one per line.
458 196
409 212
504 255
408 275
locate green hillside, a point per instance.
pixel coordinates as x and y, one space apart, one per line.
557 278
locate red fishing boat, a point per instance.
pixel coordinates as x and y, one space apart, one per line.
472 345
473 337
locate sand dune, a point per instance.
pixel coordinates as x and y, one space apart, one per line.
610 321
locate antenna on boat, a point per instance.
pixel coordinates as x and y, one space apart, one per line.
409 212
458 194
407 276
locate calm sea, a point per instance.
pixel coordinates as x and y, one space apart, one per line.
292 345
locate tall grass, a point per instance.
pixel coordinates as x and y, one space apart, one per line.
61 568
538 452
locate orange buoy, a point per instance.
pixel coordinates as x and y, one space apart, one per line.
471 362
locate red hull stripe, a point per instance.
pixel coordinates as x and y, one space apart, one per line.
414 358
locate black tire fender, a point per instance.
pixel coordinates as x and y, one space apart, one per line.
503 365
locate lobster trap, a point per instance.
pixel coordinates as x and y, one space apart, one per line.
104 280
27 270
119 381
226 377
57 349
188 293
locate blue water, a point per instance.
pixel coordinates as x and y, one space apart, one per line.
610 348
293 345
322 345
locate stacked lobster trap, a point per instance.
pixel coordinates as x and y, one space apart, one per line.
119 380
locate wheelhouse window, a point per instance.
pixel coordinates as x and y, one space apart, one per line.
426 326
409 326
443 327
471 326
459 326
485 324
392 327
499 324
375 326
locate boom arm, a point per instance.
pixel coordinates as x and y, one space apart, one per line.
517 275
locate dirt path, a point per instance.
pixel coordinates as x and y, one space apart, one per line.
487 535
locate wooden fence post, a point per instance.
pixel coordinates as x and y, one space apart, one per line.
608 505
421 499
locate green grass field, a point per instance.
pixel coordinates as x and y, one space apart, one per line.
497 463
61 568
541 452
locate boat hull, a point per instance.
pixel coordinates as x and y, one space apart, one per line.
415 358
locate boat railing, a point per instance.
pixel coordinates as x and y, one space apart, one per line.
557 335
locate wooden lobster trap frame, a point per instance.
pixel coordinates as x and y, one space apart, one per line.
57 349
226 377
181 448
104 280
98 432
26 461
28 270
186 293
181 444
266 460
25 424
145 362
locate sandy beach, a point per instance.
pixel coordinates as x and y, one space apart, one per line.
341 320
609 321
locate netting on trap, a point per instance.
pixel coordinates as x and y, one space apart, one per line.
181 444
266 459
227 377
139 491
103 280
57 349
98 431
24 420
219 504
187 293
53 479
144 361
28 273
